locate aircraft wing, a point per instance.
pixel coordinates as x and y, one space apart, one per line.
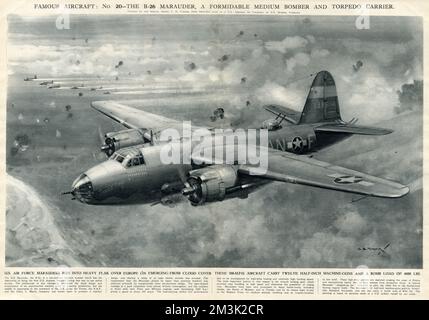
300 169
349 128
284 113
303 170
133 118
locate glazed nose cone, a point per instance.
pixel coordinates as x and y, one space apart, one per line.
82 189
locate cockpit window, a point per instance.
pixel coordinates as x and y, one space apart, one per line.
129 157
136 161
117 157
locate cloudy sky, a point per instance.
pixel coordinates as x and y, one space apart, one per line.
282 225
273 54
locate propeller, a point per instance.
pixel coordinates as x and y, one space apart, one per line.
106 146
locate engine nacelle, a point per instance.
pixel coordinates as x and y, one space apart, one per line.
121 139
210 184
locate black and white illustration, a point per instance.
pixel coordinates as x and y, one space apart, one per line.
90 99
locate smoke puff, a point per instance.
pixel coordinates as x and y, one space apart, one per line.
410 96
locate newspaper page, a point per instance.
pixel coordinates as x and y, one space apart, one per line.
213 150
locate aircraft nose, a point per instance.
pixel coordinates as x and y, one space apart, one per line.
82 189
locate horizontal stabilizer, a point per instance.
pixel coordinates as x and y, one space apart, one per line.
284 113
352 129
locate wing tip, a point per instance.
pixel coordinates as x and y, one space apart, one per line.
397 193
380 131
403 192
385 131
95 104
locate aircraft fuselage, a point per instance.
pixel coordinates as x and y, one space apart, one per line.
302 138
112 182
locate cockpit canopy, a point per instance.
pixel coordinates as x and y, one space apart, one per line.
128 157
271 124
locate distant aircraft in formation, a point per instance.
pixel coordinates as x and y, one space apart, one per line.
134 173
29 79
44 83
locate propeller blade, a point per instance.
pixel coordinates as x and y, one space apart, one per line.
187 191
182 174
101 135
104 146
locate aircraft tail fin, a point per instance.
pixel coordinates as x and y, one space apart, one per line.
322 100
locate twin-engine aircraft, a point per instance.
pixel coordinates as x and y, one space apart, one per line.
134 172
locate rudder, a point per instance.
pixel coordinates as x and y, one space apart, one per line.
322 100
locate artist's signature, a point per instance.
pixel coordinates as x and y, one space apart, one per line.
379 250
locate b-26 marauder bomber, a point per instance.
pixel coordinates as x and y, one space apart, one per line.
134 172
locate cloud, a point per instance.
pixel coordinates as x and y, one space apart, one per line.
383 52
319 53
351 223
326 249
410 96
286 44
273 93
300 59
29 53
372 105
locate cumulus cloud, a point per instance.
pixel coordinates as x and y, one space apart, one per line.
371 105
319 53
273 93
300 59
286 44
350 223
410 96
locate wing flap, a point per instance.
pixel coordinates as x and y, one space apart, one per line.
352 129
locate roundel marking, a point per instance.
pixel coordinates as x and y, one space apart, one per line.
297 144
348 179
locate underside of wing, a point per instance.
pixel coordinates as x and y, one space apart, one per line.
311 172
134 118
352 129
